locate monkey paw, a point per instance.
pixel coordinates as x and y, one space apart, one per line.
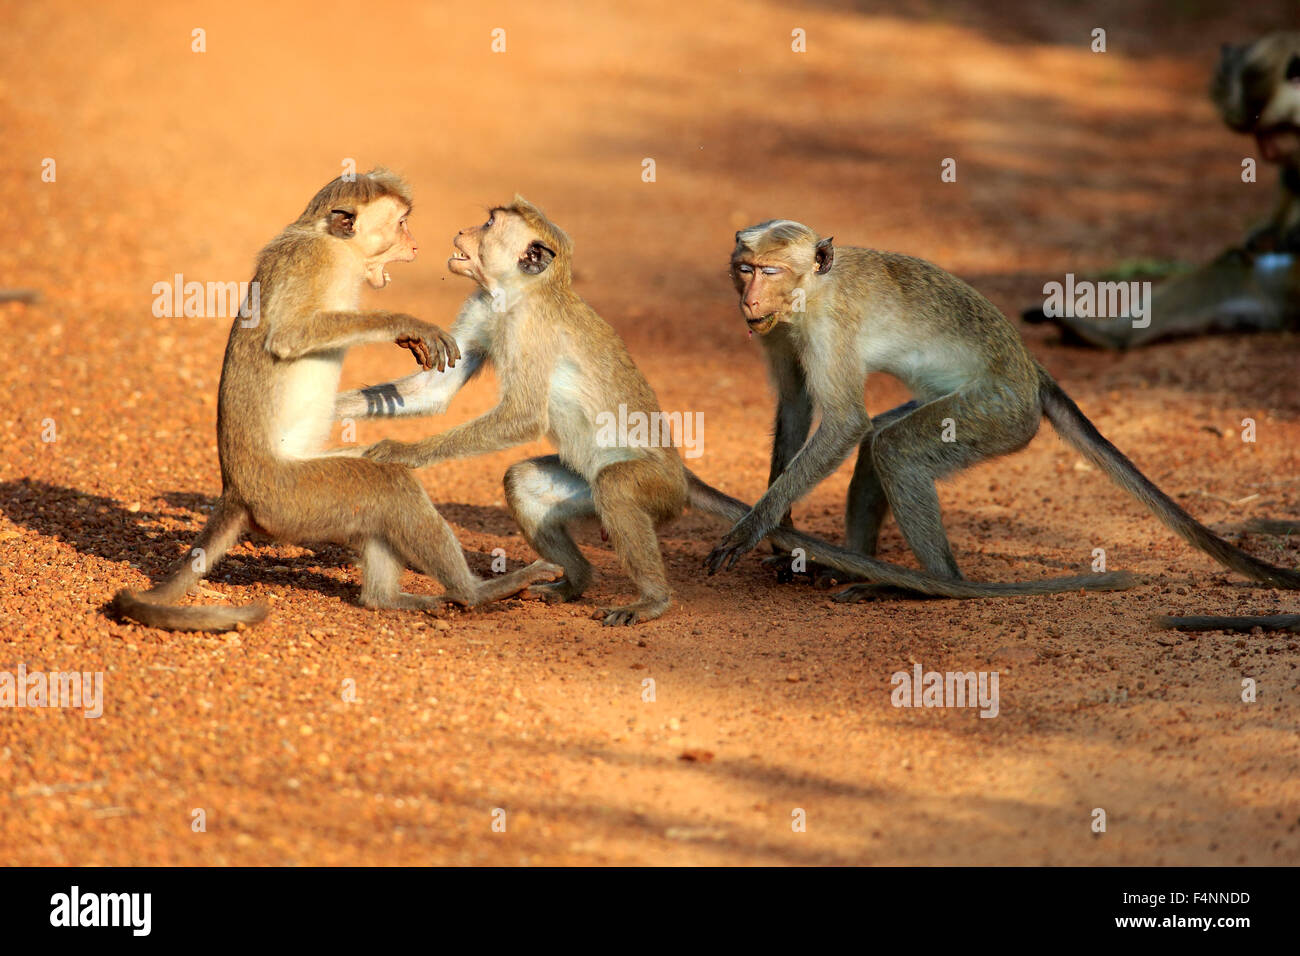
646 610
616 616
738 542
868 591
554 592
395 453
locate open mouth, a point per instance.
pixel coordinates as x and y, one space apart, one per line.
763 324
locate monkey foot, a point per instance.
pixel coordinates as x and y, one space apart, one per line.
630 614
404 601
868 591
555 592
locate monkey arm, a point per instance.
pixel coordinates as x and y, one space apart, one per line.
422 393
520 417
829 446
794 410
327 330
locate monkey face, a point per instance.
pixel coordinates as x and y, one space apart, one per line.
500 251
1257 89
765 287
1278 130
774 267
380 235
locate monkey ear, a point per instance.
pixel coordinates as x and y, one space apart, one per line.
824 255
536 258
342 223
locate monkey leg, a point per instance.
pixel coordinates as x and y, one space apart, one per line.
867 504
381 574
938 439
222 532
545 496
864 511
381 511
631 498
426 542
863 516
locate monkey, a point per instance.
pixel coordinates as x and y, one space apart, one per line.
275 399
1267 622
1255 285
560 366
840 314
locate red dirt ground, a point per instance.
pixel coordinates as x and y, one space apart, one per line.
170 161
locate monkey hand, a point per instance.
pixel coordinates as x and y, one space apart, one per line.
388 451
740 540
431 348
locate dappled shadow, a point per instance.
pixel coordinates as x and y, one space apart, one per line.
153 539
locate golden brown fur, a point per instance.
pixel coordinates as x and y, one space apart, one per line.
274 411
831 316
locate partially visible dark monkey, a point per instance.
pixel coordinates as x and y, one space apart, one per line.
561 367
1254 286
833 316
274 409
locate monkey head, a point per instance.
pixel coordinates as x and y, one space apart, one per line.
517 246
774 267
368 213
1257 90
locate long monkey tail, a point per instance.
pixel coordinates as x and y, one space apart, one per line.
711 501
1072 425
155 607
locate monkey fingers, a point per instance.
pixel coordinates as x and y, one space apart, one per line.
448 350
418 348
738 542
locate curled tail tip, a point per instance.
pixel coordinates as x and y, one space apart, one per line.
134 607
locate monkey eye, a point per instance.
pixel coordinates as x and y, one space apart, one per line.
744 268
770 270
1293 69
